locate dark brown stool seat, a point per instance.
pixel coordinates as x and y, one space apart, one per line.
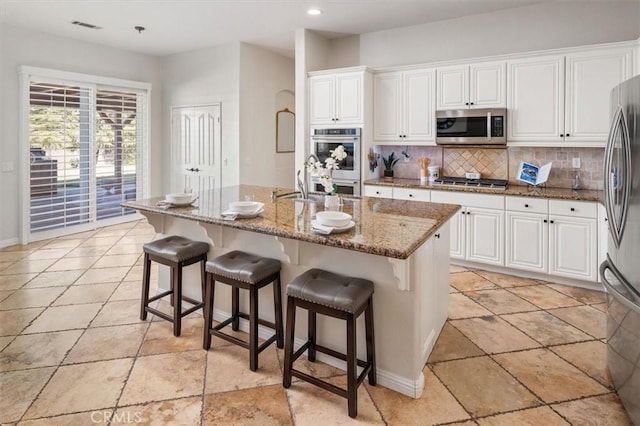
250 272
338 296
175 252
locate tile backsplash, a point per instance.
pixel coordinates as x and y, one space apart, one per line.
502 163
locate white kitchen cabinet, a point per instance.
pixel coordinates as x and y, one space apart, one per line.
378 191
477 230
481 85
563 100
404 106
411 194
527 234
336 98
572 247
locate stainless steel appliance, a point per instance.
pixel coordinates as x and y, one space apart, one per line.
481 183
472 127
347 177
620 272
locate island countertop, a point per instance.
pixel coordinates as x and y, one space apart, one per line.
384 227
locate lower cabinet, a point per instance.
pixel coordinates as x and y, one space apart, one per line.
573 247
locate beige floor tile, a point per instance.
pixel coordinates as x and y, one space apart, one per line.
67 317
469 281
5 293
310 404
530 417
588 297
78 235
590 357
494 335
166 376
18 389
4 265
28 266
549 376
460 306
5 340
316 369
37 350
454 269
602 307
31 298
111 232
116 261
97 344
506 281
14 256
54 279
177 412
135 239
90 293
48 254
103 275
94 418
13 282
435 406
452 344
544 297
120 249
81 387
69 243
13 322
73 263
482 387
605 410
127 290
160 338
501 301
228 369
100 240
118 313
259 406
585 318
545 328
91 252
22 247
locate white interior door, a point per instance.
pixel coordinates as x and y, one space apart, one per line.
196 143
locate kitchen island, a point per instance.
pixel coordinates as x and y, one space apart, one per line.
402 246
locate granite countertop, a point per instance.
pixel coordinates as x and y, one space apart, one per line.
516 190
385 227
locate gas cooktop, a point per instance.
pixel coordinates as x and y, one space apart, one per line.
481 183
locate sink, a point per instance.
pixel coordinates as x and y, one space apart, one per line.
313 198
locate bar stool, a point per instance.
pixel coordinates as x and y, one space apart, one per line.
338 296
175 252
250 272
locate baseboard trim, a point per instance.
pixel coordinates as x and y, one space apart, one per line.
9 242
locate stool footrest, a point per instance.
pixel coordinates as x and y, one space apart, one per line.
338 355
260 320
158 313
195 307
215 331
320 383
160 296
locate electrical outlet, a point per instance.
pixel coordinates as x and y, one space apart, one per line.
576 162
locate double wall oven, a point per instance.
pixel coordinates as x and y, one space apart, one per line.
347 177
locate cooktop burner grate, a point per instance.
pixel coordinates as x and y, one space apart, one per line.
482 183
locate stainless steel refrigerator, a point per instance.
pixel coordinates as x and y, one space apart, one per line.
620 272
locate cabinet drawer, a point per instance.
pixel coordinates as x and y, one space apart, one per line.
378 191
573 208
411 194
487 201
527 204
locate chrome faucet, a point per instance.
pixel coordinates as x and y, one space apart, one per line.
303 184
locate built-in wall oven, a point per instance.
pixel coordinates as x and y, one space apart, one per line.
347 177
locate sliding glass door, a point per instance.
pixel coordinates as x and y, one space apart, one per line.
86 146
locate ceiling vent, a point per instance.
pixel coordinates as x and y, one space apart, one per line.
84 24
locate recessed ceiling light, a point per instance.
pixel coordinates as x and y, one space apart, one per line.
314 12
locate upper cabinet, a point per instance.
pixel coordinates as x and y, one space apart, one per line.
481 85
336 98
404 106
563 100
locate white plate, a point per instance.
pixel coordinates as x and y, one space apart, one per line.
180 204
317 227
231 213
258 210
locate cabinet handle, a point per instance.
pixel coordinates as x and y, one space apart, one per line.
466 103
561 135
377 192
193 170
573 209
606 219
437 235
545 220
410 195
567 135
526 205
550 221
471 103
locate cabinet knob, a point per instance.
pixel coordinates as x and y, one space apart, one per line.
567 135
377 192
606 219
466 103
526 205
410 195
437 235
545 221
471 103
550 221
561 135
573 209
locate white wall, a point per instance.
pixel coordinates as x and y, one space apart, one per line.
263 76
25 47
537 27
202 77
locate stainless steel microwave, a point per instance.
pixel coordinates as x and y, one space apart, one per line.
472 127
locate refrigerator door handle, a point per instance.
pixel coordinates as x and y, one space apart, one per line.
613 289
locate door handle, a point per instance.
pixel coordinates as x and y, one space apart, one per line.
193 169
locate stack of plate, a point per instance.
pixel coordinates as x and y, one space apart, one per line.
244 209
328 222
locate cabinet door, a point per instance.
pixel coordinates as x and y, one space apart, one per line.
453 87
590 78
535 99
411 194
441 271
485 236
419 106
387 106
527 241
487 85
349 98
322 99
378 191
457 235
572 247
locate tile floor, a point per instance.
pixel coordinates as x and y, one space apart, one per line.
73 352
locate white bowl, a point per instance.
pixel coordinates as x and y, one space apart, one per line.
179 198
245 206
334 219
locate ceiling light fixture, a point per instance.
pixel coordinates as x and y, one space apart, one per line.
139 29
85 25
314 12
